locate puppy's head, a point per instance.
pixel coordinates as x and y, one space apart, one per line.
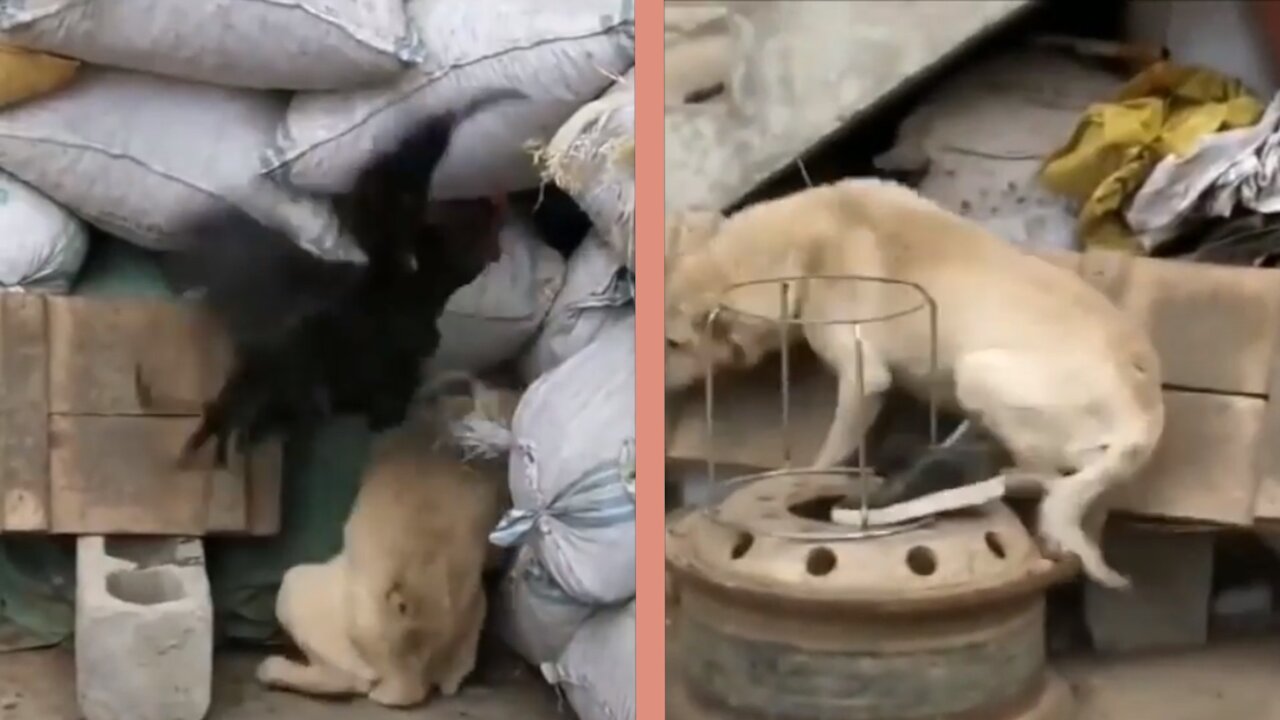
709 325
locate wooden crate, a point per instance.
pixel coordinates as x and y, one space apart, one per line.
1215 328
97 397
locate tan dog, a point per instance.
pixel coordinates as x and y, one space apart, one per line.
399 611
1025 348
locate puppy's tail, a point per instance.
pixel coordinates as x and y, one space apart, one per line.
478 421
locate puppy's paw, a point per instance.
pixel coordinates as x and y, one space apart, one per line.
398 694
1105 576
272 670
450 686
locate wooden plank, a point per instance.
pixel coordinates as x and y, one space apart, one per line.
1203 469
24 409
265 481
227 502
1215 327
132 357
118 476
1266 507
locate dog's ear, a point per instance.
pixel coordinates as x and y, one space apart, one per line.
689 230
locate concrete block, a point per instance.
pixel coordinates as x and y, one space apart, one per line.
144 629
1168 605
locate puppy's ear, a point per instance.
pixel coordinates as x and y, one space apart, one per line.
689 230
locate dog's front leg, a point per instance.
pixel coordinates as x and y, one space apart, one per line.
863 379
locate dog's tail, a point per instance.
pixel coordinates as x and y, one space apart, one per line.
479 418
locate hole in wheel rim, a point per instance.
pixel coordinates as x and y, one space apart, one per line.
922 561
995 545
821 561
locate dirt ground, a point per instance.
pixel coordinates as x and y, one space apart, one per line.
36 686
1236 681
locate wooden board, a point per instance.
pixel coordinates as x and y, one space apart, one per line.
132 357
1215 327
24 409
116 475
1203 469
265 482
1266 508
98 397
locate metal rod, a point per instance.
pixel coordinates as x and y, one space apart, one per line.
933 367
863 490
784 319
784 326
710 394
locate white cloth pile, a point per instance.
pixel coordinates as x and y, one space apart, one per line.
245 101
1227 170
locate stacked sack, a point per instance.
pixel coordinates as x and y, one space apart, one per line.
567 602
245 102
44 245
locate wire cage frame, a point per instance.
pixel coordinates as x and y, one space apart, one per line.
785 322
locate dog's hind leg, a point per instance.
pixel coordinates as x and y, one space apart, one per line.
1074 499
1085 432
280 672
859 394
462 658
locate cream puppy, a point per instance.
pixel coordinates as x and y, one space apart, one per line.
399 611
1027 349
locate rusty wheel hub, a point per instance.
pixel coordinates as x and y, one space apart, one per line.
778 617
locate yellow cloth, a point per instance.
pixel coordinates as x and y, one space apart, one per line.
25 74
1164 110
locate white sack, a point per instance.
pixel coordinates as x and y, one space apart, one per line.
43 245
592 157
289 44
598 670
572 471
598 292
561 54
534 616
490 320
136 154
984 135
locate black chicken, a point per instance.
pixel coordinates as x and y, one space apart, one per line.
315 337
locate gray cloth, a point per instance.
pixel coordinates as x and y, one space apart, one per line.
1229 170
